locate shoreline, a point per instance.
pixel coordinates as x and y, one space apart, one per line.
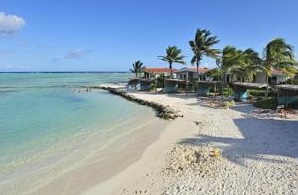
252 156
103 164
207 151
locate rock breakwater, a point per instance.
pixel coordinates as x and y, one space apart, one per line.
164 112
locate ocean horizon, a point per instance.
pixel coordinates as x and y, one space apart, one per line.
49 124
65 72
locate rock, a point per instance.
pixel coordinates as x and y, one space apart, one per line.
164 112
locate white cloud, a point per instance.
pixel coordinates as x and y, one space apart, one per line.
10 24
77 53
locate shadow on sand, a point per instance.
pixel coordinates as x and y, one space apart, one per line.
262 139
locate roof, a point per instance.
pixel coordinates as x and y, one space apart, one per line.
175 80
209 82
193 69
159 70
140 79
276 72
288 87
251 85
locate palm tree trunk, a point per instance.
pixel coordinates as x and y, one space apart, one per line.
222 84
267 82
170 66
198 70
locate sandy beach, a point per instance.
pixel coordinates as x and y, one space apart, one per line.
212 151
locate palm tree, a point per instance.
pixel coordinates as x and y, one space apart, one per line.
138 68
173 55
230 57
279 55
248 64
243 64
202 46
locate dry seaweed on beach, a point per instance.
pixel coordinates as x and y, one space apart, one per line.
189 159
279 113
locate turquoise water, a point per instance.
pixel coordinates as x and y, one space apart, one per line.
46 119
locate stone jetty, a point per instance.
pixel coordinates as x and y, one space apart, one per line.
163 112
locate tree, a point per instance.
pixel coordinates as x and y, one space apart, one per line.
173 55
215 73
202 46
248 64
138 68
230 57
278 55
243 64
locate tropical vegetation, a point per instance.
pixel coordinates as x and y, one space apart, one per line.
138 68
173 55
242 64
279 55
202 46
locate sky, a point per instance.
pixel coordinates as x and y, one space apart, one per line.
109 35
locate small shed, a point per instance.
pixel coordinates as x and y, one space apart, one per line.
171 85
287 95
240 89
205 86
140 84
191 73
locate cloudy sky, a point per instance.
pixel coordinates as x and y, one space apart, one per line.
109 35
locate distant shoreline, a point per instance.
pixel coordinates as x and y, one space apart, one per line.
61 72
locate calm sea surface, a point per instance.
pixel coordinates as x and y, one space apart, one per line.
47 123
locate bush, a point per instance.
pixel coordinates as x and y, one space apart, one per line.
292 81
261 93
152 87
267 104
229 104
228 91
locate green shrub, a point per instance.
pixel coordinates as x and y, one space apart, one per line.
292 81
228 91
229 104
267 104
261 93
152 87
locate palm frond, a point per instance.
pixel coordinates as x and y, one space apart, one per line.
173 55
202 46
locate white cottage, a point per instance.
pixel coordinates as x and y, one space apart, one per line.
276 77
191 74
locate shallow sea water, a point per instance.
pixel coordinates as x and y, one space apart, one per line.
48 125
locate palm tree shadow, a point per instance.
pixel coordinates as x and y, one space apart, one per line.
262 140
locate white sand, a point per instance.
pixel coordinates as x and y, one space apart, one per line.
257 155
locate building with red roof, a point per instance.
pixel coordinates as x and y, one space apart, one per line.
150 73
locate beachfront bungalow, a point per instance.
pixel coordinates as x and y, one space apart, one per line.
140 84
276 77
240 89
287 95
230 78
205 86
153 73
190 74
172 85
